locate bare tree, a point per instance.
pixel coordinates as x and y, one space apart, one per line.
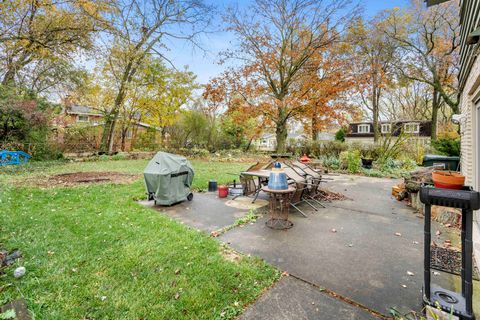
374 55
407 100
140 29
429 40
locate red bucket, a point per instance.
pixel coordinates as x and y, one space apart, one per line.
222 191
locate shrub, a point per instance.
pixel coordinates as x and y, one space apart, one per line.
331 163
370 151
119 156
409 164
391 147
340 135
414 150
145 141
332 149
372 173
194 152
350 160
25 121
448 147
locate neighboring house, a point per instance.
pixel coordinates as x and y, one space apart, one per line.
363 131
82 114
87 117
268 141
325 136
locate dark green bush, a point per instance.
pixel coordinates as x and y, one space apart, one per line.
340 135
448 147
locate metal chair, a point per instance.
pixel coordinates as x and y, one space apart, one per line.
304 191
314 181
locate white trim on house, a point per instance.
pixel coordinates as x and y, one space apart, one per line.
363 128
386 128
422 140
412 127
85 117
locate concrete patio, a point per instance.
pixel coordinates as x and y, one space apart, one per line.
366 252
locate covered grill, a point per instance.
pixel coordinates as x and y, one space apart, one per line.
168 178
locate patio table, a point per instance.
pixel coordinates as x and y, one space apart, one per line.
262 176
279 208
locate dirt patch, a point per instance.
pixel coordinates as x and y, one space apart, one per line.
81 178
230 255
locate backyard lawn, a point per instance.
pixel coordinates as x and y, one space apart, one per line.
92 252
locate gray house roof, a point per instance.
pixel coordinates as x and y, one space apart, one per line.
77 109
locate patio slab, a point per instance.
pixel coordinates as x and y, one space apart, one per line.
207 212
293 299
364 260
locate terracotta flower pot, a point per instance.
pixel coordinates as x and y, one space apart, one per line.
448 179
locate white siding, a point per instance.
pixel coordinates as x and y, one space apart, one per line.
469 129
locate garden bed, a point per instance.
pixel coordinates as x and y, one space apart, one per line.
81 178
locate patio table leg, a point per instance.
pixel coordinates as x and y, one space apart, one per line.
259 188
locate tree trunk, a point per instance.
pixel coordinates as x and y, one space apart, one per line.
281 135
435 107
106 144
9 77
124 137
375 114
249 144
314 127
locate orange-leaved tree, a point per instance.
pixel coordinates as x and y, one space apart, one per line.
276 40
325 90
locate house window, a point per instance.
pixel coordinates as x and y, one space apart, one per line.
128 135
263 142
412 127
364 128
82 118
386 128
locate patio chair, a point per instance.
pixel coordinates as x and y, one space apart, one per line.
252 185
307 169
313 186
304 189
315 175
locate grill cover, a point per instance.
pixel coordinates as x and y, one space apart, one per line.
168 178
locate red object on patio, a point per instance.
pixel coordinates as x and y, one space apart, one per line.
448 180
222 191
305 159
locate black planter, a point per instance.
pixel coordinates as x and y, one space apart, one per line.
367 163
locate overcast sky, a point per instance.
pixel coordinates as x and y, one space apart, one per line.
204 65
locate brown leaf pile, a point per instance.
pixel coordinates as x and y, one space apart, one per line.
331 196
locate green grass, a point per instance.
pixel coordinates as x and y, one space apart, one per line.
223 172
91 252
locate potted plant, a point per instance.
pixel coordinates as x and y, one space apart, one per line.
369 154
448 179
